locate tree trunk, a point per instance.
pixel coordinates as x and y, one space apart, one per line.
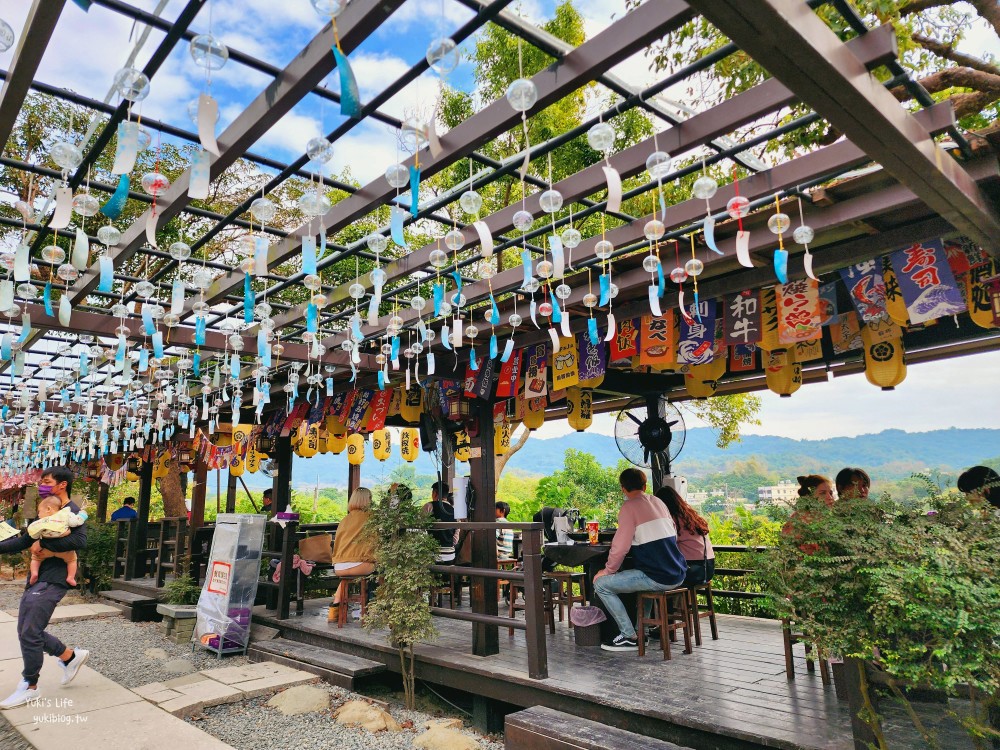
172 490
515 446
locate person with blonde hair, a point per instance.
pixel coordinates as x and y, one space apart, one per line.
353 545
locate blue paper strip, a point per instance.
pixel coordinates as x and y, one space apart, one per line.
438 290
508 349
350 99
396 215
781 265
147 320
158 345
249 299
196 366
458 287
329 386
84 4
143 359
661 283
414 191
25 328
84 365
107 275
708 227
199 331
234 365
526 266
493 347
356 329
605 282
556 312
394 352
47 297
114 205
312 318
122 349
592 331
381 380
494 312
445 337
473 364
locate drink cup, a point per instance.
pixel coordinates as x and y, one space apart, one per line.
593 527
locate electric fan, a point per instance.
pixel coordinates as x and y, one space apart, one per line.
650 433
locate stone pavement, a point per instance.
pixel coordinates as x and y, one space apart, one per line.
70 612
92 712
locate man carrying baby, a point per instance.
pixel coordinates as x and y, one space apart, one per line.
55 521
42 594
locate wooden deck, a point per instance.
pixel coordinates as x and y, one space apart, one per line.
730 694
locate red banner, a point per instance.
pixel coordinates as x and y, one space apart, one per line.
509 372
625 343
380 409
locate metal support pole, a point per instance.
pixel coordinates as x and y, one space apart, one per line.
485 638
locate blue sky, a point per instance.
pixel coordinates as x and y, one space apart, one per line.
958 392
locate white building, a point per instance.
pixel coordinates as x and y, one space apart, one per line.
785 492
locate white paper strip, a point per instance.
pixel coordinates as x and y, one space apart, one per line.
208 113
743 249
654 301
200 176
407 378
22 267
614 189
6 294
430 363
485 238
807 262
260 256
558 263
508 349
151 228
81 251
554 335
127 148
612 327
564 324
456 333
65 310
64 208
433 142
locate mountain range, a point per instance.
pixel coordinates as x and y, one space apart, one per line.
890 454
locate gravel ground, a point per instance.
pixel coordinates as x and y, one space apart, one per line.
252 725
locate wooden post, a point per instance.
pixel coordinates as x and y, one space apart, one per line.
137 564
534 615
231 494
860 698
281 487
198 493
102 502
485 638
353 478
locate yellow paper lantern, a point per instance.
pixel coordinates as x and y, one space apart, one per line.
978 297
579 408
309 445
501 437
252 460
381 444
323 445
783 373
114 461
885 361
161 464
334 424
411 404
236 466
355 449
534 413
223 440
336 442
409 444
698 388
463 447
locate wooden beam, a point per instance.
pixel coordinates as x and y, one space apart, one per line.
796 46
38 27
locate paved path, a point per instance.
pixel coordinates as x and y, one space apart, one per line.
91 713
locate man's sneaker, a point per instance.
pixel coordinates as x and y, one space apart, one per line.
21 696
654 633
71 670
621 643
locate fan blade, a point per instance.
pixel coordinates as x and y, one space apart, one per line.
631 416
671 424
645 455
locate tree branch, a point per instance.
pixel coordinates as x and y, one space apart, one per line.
948 52
990 11
919 6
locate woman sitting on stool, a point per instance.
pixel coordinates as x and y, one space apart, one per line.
353 546
692 537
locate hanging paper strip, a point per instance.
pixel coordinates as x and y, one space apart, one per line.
558 263
708 227
526 267
743 249
234 365
655 345
697 340
248 299
654 300
356 328
485 239
143 359
350 99
81 251
494 349
927 282
807 264
396 215
196 364
445 337
494 312
47 298
564 323
742 318
430 363
127 148
6 294
373 305
682 307
557 313
554 335
200 324
612 328
25 328
64 208
122 349
151 226
533 311
798 311
473 364
108 276
322 243
65 309
661 283
614 189
604 280
309 255
176 297
22 266
260 248
508 349
414 191
381 380
781 265
438 294
157 339
112 208
312 318
422 330
201 175
458 288
592 331
83 4
208 114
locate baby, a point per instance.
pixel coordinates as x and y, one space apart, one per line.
54 521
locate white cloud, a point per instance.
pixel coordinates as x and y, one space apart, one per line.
428 14
289 135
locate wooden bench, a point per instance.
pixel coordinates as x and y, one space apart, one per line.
540 728
342 670
136 607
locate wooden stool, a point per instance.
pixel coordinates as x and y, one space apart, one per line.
445 586
698 611
661 615
564 596
361 597
790 639
547 602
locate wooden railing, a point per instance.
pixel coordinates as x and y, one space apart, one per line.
167 541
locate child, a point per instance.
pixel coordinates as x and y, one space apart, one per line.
54 521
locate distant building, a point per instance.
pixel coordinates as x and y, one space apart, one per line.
783 493
698 498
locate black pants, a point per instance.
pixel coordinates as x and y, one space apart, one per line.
37 605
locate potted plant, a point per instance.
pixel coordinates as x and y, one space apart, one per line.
404 554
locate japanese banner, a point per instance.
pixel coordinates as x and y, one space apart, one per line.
593 358
315 413
828 307
565 364
867 288
359 407
345 408
926 281
380 409
963 254
743 358
625 344
798 320
535 371
509 372
698 336
742 318
335 403
483 385
807 351
656 340
845 333
977 294
470 383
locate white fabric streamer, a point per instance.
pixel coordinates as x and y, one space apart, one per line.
151 227
564 324
654 301
64 208
614 189
554 335
485 238
208 113
743 249
81 251
807 262
456 333
612 327
22 265
558 264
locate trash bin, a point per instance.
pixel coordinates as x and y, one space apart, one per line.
587 625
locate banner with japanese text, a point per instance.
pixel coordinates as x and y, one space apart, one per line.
625 343
593 357
829 307
380 410
743 358
359 407
565 364
656 340
866 287
926 281
535 371
697 342
742 318
798 303
509 372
